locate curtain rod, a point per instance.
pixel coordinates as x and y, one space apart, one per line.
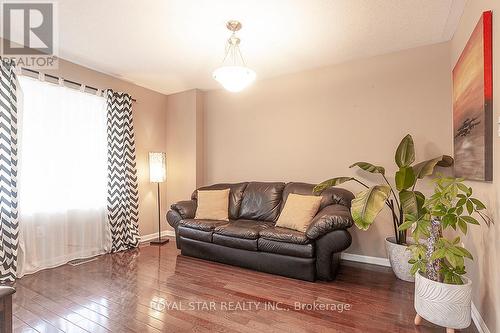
65 80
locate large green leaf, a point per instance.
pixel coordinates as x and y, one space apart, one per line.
412 202
331 182
405 178
368 204
469 219
369 167
426 168
405 154
463 252
479 204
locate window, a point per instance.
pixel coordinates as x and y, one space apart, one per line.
62 174
63 148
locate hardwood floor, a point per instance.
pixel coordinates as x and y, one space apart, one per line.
143 290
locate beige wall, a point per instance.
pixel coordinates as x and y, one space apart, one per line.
484 241
184 145
149 114
312 125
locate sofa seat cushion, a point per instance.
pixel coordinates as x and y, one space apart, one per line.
234 242
204 236
284 235
203 225
288 249
246 229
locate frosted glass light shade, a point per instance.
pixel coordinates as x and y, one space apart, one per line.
234 78
157 167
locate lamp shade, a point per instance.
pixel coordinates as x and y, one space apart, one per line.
234 78
157 167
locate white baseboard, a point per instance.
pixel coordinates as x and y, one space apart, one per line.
478 320
366 259
164 233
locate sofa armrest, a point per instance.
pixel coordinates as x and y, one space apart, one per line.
330 218
328 249
186 209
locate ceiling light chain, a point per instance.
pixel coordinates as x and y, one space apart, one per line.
233 48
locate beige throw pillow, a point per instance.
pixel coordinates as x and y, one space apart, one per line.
299 211
213 205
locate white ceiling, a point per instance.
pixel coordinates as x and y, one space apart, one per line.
174 45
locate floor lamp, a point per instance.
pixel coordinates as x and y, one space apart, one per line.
158 174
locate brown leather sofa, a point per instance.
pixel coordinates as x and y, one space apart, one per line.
250 239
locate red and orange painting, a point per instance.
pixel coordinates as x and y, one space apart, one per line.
473 105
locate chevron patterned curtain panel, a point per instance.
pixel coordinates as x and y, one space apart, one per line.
9 223
123 196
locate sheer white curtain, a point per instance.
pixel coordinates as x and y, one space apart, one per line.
62 176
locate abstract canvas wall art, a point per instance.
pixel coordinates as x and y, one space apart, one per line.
473 105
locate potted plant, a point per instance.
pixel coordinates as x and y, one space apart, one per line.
442 293
400 199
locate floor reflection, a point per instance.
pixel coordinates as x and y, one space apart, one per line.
155 289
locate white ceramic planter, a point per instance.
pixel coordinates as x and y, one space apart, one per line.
399 257
447 305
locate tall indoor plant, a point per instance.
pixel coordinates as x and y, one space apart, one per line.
442 293
400 199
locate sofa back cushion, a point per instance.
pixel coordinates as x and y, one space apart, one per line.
261 201
331 196
235 196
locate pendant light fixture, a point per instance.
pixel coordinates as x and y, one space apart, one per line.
234 75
